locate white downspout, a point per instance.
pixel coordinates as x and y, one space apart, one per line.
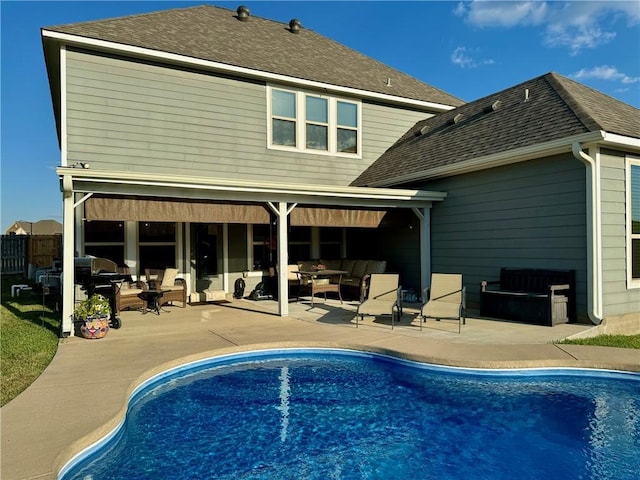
594 234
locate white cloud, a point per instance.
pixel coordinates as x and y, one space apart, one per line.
604 72
461 56
502 14
574 25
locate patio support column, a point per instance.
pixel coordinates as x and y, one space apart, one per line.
424 215
68 254
282 212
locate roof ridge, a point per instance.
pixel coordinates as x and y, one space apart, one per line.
581 112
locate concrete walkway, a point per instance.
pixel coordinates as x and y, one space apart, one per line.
82 394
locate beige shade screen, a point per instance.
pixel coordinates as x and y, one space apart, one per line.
335 217
173 210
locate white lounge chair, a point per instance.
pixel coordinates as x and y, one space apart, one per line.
446 299
383 297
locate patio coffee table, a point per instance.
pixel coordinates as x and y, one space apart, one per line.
153 297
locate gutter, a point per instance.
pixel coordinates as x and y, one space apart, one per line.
499 159
594 233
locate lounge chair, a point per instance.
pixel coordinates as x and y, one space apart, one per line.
383 297
446 299
175 289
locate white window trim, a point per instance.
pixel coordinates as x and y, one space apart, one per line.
631 282
301 123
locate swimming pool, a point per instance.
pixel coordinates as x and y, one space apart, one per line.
338 414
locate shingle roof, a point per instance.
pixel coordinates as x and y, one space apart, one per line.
215 34
556 108
41 227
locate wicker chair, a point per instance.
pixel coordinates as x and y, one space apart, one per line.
127 295
175 289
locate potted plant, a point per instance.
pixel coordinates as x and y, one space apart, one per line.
93 315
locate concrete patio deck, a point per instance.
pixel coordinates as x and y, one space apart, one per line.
82 394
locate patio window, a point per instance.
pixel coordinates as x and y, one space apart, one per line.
157 245
310 123
330 243
633 225
104 239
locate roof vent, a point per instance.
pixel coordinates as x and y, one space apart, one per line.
243 13
457 119
526 94
388 81
295 25
493 107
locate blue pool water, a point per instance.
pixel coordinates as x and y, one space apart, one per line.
334 414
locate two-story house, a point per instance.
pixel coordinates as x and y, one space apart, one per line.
222 143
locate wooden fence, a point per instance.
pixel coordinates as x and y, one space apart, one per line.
20 251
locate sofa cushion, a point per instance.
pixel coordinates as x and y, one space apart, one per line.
130 291
359 268
376 266
347 266
332 264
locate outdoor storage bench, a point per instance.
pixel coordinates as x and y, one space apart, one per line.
528 295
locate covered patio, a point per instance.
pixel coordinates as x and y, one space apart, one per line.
110 195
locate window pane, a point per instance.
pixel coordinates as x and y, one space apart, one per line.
317 109
300 234
635 199
317 137
347 114
284 133
635 258
347 141
157 232
157 256
331 234
115 253
104 232
283 104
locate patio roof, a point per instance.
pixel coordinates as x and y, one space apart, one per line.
91 181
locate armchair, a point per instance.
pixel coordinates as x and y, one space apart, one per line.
127 295
175 289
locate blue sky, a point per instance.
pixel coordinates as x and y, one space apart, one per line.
468 49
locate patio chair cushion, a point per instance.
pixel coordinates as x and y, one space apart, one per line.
169 277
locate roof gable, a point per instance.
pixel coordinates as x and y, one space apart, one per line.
544 109
216 34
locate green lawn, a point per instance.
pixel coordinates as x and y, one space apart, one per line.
622 341
28 339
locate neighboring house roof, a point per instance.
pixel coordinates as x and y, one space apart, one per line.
542 110
41 227
216 34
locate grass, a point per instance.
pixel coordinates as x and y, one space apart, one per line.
620 341
28 338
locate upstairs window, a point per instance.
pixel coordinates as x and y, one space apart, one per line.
347 127
283 107
314 123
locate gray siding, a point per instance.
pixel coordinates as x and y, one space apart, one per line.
124 115
617 299
530 214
